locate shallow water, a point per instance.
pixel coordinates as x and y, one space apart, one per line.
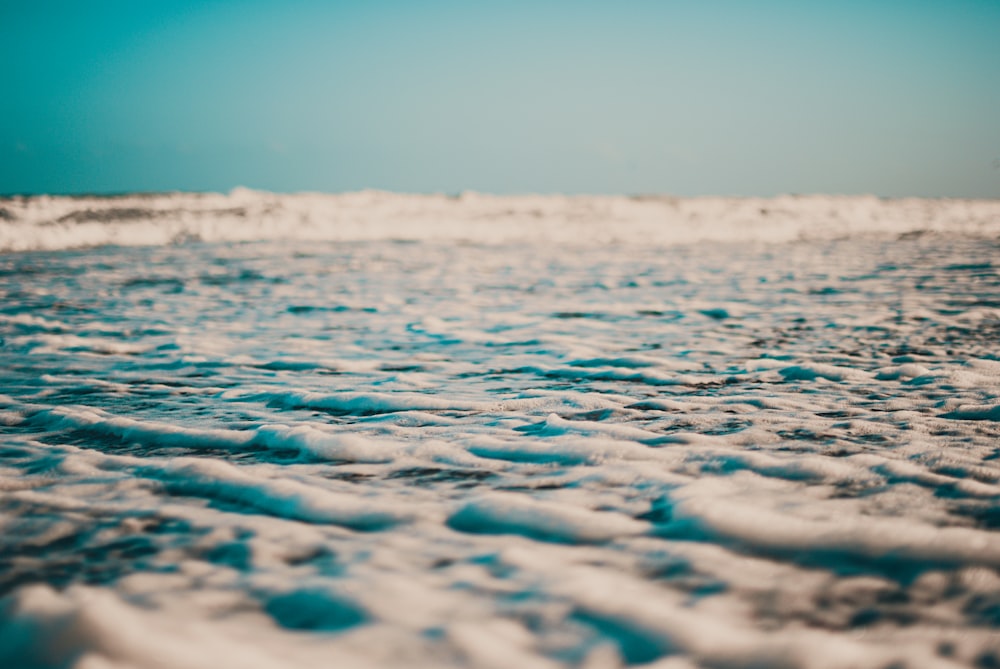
442 453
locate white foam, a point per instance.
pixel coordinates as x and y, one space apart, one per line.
989 412
713 507
131 430
464 452
365 403
88 628
329 446
551 521
321 443
47 222
813 371
283 497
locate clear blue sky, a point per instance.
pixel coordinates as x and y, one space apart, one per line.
743 98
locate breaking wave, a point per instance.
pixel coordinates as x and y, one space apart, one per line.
52 222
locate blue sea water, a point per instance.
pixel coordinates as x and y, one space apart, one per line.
450 453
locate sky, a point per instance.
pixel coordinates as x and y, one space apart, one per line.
892 98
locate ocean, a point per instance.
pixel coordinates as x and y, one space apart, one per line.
378 430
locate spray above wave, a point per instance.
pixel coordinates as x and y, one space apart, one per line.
52 222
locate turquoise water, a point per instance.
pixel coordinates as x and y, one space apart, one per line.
438 453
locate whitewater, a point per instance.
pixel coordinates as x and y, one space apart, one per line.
384 430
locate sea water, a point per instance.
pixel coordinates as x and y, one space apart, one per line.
499 446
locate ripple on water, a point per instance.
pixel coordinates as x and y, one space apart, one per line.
442 454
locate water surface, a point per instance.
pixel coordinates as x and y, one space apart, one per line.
446 453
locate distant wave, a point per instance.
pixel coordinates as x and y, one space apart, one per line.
57 222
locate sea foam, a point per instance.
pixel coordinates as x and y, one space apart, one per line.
477 431
52 222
